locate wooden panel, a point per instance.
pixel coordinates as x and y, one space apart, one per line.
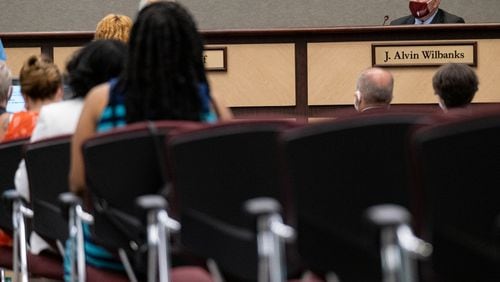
62 55
257 75
17 56
334 68
488 71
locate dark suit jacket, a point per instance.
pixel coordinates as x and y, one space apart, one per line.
441 17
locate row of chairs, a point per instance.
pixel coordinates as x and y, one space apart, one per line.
327 180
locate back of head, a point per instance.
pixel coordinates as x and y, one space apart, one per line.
165 71
144 3
455 84
96 63
114 26
376 86
40 78
5 82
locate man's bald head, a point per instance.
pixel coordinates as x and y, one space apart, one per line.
375 86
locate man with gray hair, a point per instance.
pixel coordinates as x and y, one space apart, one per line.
5 87
373 90
5 91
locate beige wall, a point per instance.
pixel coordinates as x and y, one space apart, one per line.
17 56
257 75
264 74
334 67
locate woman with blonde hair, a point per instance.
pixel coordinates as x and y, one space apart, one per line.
114 26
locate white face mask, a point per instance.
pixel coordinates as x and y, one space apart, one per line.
357 100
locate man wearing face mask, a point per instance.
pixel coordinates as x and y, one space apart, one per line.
373 90
427 12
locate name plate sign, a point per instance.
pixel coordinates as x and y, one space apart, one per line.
424 54
215 58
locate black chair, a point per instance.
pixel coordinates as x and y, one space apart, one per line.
458 171
11 153
121 166
47 165
337 170
214 171
10 156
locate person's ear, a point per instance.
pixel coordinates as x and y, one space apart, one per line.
9 94
357 99
59 94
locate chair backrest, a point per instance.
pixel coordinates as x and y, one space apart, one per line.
459 165
10 155
214 171
47 164
337 170
120 166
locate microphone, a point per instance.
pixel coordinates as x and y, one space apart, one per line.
386 18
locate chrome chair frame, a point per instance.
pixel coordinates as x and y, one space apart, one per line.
271 236
399 247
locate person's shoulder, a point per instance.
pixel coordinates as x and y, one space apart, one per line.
449 17
403 20
98 95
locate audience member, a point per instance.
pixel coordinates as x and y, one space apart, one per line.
114 26
5 92
164 79
5 86
373 90
455 85
3 57
427 12
41 84
94 64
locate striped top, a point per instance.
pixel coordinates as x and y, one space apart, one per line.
114 115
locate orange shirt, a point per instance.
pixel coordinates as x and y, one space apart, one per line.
21 125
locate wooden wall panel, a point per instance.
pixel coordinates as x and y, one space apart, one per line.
334 68
257 75
17 56
62 55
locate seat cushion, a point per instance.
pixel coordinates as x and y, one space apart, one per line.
189 274
45 265
6 257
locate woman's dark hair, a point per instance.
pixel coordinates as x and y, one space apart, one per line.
96 63
164 69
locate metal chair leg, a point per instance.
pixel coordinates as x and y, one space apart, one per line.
76 218
159 227
399 246
271 233
19 213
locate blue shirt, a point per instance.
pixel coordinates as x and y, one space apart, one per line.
3 57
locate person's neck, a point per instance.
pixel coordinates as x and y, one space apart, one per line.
373 106
36 105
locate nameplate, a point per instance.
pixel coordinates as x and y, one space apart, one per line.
424 54
215 58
